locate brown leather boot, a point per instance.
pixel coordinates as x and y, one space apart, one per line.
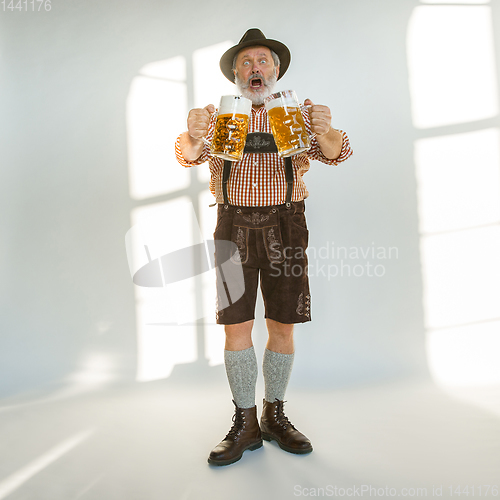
244 435
274 424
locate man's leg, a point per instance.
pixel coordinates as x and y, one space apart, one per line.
280 337
277 367
241 369
278 360
237 317
241 363
239 336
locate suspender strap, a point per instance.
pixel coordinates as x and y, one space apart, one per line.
289 180
225 179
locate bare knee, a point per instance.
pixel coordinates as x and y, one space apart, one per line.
279 329
280 337
238 336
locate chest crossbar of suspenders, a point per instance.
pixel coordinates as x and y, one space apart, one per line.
260 142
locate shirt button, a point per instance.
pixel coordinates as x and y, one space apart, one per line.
255 164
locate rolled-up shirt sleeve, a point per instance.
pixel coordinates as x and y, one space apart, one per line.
180 158
315 152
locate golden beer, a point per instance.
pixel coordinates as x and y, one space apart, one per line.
231 127
229 136
287 123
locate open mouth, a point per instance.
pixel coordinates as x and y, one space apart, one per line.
256 83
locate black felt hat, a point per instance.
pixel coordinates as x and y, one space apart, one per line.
254 37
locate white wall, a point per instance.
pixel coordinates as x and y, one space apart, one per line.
67 299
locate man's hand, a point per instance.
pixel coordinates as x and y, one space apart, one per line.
190 143
320 117
329 139
198 121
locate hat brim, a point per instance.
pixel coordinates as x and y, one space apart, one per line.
226 61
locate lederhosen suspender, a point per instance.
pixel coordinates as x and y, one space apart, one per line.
260 142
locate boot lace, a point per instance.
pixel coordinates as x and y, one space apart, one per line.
238 423
281 418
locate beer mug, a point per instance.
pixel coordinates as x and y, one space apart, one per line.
231 127
287 123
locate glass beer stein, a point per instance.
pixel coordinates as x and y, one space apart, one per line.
287 123
231 127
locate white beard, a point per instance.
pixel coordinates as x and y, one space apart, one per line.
256 96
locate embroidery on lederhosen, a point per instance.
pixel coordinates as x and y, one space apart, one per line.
256 218
267 224
273 245
300 304
308 306
304 306
217 312
241 256
260 142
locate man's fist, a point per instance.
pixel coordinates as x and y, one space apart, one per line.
198 120
320 117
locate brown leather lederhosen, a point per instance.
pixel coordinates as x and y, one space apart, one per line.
263 235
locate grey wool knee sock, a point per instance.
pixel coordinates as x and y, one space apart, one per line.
276 368
241 370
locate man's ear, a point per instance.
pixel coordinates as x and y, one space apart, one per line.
277 71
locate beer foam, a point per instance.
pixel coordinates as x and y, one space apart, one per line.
288 101
230 104
281 103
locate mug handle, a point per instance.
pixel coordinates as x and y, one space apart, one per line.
204 139
313 135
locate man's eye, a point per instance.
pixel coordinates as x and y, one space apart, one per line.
246 63
264 61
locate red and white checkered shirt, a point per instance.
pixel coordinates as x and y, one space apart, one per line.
259 178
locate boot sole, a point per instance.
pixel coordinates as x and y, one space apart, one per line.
269 437
252 447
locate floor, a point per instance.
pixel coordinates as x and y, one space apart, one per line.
150 441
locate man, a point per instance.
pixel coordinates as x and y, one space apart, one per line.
261 209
